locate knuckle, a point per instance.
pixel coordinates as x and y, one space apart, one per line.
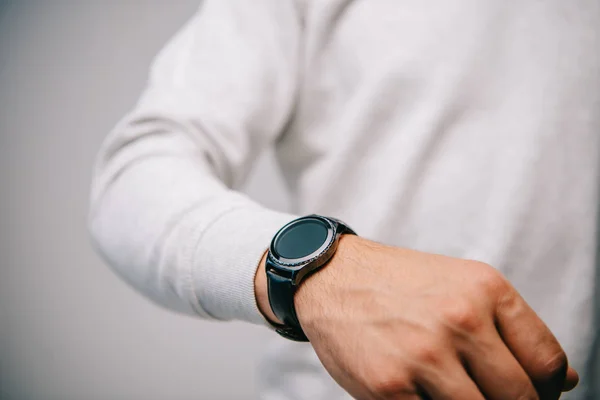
463 317
490 280
386 385
427 353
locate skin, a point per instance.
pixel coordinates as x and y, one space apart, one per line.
392 323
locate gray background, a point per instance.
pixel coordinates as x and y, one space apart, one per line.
69 328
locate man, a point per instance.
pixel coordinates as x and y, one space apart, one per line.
440 132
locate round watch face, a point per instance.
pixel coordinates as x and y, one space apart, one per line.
301 238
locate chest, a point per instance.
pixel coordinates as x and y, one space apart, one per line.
375 66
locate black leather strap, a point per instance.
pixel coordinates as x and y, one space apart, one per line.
282 290
281 298
342 228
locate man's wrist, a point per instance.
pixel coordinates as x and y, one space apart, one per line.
306 299
261 291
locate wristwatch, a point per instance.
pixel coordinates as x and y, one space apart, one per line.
300 248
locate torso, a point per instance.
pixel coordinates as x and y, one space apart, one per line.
466 128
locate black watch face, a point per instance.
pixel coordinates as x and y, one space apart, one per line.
302 238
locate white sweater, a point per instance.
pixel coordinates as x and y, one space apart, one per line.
467 128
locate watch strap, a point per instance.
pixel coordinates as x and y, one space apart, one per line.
341 228
282 289
281 299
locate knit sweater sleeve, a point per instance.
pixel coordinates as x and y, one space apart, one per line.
164 212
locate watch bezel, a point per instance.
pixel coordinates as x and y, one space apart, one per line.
297 268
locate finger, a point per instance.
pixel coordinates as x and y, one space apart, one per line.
571 381
495 370
533 345
449 382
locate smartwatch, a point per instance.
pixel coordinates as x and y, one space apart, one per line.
300 248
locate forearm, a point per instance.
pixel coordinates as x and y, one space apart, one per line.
164 222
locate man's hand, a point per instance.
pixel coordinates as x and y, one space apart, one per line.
390 323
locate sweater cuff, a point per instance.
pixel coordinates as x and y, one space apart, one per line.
226 259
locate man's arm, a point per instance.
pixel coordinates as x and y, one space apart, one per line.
392 323
163 212
164 215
